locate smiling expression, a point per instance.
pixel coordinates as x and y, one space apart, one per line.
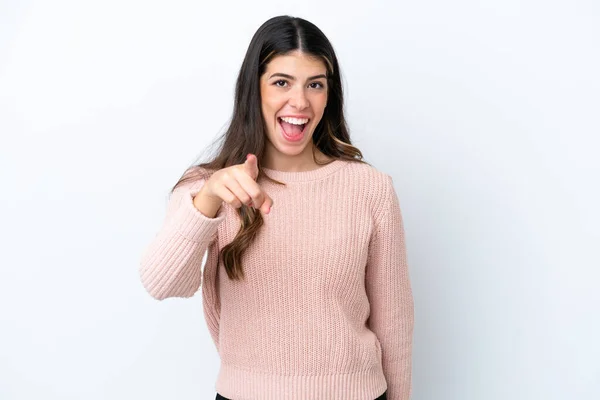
293 85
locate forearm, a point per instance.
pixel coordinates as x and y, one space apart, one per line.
171 263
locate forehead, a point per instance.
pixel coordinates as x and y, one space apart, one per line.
296 64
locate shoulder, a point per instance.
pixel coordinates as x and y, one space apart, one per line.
193 178
375 182
375 187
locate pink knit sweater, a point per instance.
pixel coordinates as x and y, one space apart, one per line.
326 309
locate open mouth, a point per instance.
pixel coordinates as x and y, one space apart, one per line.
291 128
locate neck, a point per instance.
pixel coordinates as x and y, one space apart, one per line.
301 162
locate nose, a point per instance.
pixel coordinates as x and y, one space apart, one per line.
298 98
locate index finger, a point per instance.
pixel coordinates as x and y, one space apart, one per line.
260 198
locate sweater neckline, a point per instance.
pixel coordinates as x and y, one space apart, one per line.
311 175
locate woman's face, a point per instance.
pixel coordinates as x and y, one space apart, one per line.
294 86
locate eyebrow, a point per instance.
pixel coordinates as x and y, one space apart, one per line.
293 79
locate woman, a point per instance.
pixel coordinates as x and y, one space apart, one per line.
305 288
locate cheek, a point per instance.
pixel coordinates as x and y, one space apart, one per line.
271 103
320 100
266 94
267 108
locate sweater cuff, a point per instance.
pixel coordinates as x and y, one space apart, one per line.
192 224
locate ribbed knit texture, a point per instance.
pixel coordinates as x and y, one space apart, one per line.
326 307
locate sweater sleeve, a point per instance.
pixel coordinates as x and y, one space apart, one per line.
171 263
390 295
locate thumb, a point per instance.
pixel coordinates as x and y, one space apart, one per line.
251 165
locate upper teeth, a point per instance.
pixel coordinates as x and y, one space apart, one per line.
295 121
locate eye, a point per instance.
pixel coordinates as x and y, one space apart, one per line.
318 83
276 82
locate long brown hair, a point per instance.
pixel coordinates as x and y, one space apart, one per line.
247 131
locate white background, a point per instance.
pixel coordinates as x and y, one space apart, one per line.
486 114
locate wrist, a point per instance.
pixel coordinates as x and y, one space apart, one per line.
206 204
